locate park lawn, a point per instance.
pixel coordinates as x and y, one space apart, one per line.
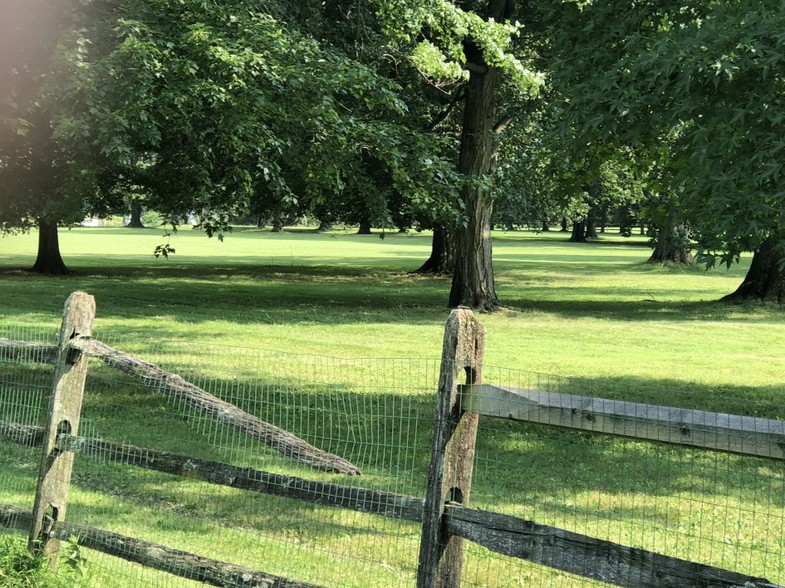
593 310
597 311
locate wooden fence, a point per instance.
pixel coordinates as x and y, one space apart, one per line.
445 513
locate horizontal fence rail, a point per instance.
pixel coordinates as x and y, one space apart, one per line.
586 556
152 555
743 435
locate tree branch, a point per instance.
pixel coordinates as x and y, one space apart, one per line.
458 95
502 123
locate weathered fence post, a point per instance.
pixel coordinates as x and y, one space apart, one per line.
65 406
452 451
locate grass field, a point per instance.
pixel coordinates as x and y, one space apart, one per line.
588 310
595 311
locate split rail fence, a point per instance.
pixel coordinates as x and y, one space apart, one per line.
448 523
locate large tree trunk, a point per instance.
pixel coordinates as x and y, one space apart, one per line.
578 231
365 227
591 227
765 280
442 259
672 245
49 260
473 283
135 221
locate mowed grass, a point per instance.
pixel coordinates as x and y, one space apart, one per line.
597 312
575 310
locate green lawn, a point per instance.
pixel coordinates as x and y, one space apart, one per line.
588 310
232 313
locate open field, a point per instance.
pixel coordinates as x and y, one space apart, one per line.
223 311
576 310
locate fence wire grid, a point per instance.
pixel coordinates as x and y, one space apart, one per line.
715 508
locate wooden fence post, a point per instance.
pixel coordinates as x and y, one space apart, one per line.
65 406
452 451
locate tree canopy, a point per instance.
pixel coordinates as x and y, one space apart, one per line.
702 80
392 113
204 107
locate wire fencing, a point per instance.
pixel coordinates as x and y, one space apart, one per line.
714 508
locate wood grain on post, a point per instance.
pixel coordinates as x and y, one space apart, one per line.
452 451
65 407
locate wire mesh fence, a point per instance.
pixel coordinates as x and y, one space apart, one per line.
711 507
721 509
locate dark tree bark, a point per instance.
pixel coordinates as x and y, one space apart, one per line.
545 226
591 227
136 216
765 280
565 226
578 231
473 282
442 259
324 225
365 227
48 260
672 245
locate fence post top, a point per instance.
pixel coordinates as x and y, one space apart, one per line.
78 315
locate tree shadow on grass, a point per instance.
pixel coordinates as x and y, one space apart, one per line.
289 296
648 309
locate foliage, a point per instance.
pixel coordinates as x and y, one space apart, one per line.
44 47
217 109
706 76
19 568
438 31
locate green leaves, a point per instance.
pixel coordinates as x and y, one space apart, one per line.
705 76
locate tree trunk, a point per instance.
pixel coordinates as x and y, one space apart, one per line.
365 228
545 226
565 226
591 227
442 259
765 280
672 245
578 231
49 260
136 215
473 282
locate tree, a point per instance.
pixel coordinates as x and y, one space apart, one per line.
41 47
710 76
472 41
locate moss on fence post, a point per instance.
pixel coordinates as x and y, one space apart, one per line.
65 407
452 451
